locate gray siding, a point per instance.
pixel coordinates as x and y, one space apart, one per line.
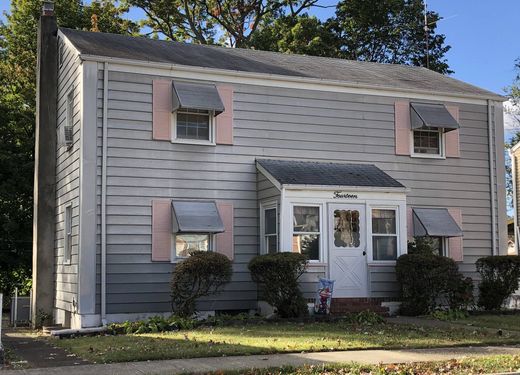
276 123
67 183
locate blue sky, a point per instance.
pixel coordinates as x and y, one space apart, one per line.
482 33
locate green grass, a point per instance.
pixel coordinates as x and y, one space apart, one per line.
498 321
491 364
269 338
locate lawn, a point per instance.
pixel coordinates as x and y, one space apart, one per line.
283 337
491 364
498 321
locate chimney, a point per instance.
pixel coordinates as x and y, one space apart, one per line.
48 8
45 165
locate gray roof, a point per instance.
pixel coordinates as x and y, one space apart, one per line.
295 172
391 76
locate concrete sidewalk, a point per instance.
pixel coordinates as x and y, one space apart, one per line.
197 365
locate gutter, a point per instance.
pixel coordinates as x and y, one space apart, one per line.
104 198
491 133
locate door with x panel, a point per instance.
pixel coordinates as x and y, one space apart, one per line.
347 250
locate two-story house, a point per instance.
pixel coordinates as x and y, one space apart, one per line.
148 149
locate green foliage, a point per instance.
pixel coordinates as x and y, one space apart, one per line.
300 35
200 275
449 315
426 281
278 275
153 325
364 318
500 276
201 21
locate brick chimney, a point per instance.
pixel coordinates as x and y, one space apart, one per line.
45 165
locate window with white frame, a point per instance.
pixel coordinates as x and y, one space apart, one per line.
186 243
269 229
384 234
67 238
307 231
437 245
193 125
428 142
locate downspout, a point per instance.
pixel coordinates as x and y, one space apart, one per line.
104 198
492 179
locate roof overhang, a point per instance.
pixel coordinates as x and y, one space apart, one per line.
196 217
434 222
201 96
429 115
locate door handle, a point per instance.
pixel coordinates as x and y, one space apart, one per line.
364 252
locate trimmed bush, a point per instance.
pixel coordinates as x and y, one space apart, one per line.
500 276
278 274
200 275
428 281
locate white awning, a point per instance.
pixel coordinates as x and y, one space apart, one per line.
432 116
434 222
196 217
197 96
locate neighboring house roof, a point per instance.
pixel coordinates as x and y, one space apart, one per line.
295 172
358 73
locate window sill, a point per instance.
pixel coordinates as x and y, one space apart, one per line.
428 156
194 142
316 264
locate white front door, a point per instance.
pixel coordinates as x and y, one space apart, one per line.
347 250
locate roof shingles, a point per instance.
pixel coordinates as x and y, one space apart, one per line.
391 76
295 172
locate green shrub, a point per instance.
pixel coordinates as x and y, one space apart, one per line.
427 281
500 276
200 275
448 315
153 325
363 318
278 275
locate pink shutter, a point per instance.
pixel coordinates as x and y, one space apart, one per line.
455 243
161 230
162 109
224 241
224 121
402 128
409 222
452 137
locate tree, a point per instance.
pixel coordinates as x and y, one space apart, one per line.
201 21
388 31
17 118
513 111
303 34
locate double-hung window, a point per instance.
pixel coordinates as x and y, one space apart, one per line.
67 238
186 243
269 229
307 231
428 142
384 234
193 125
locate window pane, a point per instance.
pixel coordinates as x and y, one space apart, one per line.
186 243
271 244
193 125
427 141
384 247
346 228
270 221
383 221
307 244
306 219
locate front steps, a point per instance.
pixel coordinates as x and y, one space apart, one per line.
340 306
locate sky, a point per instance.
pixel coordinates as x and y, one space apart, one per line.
483 35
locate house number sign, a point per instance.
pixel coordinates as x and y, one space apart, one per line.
342 195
